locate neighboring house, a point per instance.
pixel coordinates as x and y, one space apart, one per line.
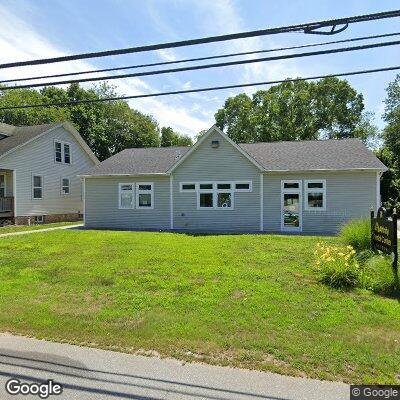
38 172
218 185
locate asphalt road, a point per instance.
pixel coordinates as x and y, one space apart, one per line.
87 373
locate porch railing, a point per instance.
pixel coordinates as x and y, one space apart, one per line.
6 204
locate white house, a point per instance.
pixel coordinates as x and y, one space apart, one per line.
38 172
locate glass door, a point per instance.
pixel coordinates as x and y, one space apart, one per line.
291 217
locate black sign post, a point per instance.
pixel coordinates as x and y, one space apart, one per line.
384 236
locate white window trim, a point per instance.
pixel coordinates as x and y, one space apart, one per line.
119 195
151 192
36 187
295 191
283 189
214 191
314 190
250 189
62 186
5 183
62 152
187 190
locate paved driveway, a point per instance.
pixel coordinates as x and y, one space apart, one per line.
87 373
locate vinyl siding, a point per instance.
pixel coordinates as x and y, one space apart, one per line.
224 163
349 195
102 204
37 158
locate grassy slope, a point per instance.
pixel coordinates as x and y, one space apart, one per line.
23 228
241 300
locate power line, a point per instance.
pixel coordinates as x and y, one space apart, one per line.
205 66
203 58
207 89
311 27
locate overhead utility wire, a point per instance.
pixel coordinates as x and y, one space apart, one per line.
205 66
202 58
311 27
207 89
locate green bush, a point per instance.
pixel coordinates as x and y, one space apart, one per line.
357 233
377 275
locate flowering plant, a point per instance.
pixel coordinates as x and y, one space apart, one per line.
336 266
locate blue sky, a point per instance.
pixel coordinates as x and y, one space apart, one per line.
42 28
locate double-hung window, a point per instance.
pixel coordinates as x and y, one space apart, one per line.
37 187
65 186
126 195
315 196
62 152
144 195
67 153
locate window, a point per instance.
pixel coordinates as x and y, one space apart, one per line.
224 200
62 152
290 185
67 153
58 152
215 195
243 186
126 195
206 200
38 219
144 195
315 195
65 186
204 186
187 187
223 186
37 187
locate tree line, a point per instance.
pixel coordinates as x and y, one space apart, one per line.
107 127
326 109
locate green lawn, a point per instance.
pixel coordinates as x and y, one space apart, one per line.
243 300
23 228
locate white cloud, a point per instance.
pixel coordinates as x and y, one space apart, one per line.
167 54
18 41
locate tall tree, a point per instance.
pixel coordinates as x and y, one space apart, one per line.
300 110
107 127
390 153
171 138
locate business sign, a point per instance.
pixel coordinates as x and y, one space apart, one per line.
384 234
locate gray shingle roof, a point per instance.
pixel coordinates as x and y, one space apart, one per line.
274 156
313 155
18 135
150 160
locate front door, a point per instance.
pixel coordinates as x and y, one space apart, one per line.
291 215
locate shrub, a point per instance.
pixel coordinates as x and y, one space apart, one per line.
336 266
357 233
378 275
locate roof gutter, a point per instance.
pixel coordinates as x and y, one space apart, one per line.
115 175
325 170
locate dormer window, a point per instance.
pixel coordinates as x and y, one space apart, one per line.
62 152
